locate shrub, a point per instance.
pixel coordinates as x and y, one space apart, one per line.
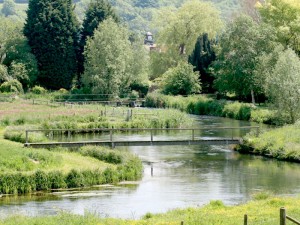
74 179
38 90
181 80
41 180
13 86
103 154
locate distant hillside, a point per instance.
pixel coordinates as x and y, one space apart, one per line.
137 13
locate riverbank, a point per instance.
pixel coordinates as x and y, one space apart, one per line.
281 143
24 170
263 210
202 105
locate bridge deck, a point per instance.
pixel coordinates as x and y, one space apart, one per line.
221 141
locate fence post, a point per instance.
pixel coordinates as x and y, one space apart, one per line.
181 223
257 131
151 135
282 216
193 135
245 219
26 136
111 135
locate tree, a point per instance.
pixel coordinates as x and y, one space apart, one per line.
14 49
283 84
179 29
284 16
237 57
108 57
181 80
201 58
52 32
97 12
8 8
3 73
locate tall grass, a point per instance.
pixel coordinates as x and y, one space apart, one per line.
201 105
281 143
124 166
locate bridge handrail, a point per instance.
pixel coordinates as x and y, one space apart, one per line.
146 129
112 130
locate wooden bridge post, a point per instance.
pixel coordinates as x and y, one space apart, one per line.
151 135
245 219
111 135
282 216
257 131
26 136
193 135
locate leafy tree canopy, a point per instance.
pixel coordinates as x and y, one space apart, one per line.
238 56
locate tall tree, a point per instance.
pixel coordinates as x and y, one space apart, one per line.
108 58
8 8
238 56
201 58
179 29
283 84
52 32
97 11
284 15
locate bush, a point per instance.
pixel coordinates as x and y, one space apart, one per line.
103 154
12 86
38 90
74 179
181 80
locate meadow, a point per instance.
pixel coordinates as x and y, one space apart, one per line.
19 115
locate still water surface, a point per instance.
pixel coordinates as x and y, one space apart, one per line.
183 176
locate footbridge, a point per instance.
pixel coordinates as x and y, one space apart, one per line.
115 137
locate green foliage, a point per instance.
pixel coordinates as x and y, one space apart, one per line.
237 57
284 17
283 84
201 105
3 73
108 56
53 42
181 80
103 154
180 28
38 90
11 86
8 8
201 58
97 11
41 180
281 143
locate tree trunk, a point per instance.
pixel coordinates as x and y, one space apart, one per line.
252 97
182 49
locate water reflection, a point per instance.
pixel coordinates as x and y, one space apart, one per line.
183 176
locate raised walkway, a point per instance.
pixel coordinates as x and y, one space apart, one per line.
114 141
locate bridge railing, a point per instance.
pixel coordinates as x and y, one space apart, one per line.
152 131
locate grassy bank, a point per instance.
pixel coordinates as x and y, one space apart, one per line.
17 116
282 143
201 105
24 170
262 211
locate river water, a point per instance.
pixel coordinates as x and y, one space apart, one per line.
183 176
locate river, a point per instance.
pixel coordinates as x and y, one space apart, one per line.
183 176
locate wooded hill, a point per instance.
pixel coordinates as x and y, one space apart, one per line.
138 13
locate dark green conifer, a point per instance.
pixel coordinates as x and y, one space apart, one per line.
52 31
201 58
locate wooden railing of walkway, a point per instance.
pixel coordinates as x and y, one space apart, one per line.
193 139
